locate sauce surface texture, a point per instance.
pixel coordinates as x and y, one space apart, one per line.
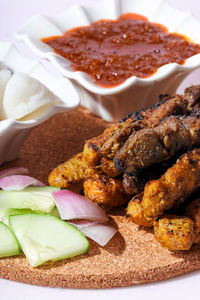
112 51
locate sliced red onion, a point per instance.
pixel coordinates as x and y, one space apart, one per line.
100 233
73 206
18 182
14 171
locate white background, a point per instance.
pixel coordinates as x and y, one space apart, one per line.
12 14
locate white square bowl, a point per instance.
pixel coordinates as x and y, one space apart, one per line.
12 132
135 93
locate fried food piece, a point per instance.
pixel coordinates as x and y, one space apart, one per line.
174 233
135 212
135 184
108 167
179 182
71 174
193 211
105 191
150 146
90 151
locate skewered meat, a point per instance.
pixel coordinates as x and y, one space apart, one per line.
174 233
108 167
105 191
147 118
180 181
193 211
179 233
150 118
150 146
135 212
71 173
134 184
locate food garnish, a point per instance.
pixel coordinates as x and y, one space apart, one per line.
44 237
73 206
14 171
37 198
100 233
9 245
18 182
27 210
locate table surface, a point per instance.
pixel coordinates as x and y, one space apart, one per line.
13 13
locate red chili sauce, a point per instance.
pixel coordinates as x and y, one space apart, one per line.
112 51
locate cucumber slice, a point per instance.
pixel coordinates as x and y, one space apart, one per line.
5 213
9 245
43 237
35 198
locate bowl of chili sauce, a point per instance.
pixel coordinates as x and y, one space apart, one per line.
120 55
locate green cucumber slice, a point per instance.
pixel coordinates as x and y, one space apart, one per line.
35 198
5 213
9 245
43 237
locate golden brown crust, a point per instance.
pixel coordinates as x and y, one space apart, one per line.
193 211
174 233
105 190
180 181
135 212
71 173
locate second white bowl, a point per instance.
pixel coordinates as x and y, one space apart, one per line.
12 132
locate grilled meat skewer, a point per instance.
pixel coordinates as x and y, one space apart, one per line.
150 146
179 233
178 183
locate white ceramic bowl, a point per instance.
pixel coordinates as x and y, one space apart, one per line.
12 132
135 93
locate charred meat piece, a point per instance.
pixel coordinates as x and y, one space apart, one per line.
178 183
150 118
106 191
90 151
71 173
134 184
135 212
150 146
144 119
174 233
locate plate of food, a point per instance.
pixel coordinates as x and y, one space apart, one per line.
134 255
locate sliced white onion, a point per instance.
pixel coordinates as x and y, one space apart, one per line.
73 206
18 182
14 171
100 233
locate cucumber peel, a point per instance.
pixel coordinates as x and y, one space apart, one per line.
43 237
9 245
